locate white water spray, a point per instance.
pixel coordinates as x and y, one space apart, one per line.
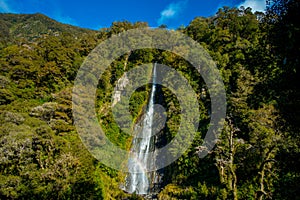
139 180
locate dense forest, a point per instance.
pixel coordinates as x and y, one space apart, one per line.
256 155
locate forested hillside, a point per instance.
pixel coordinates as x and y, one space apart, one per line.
256 156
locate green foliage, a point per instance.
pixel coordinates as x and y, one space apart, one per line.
177 192
32 26
256 156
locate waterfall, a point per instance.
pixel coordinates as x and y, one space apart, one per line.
139 180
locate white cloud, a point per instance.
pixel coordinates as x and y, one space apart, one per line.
256 5
58 15
65 19
171 11
5 7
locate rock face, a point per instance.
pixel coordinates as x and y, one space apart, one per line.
119 89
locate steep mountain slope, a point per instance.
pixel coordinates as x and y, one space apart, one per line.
32 26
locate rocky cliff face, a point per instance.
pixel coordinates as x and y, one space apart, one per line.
119 89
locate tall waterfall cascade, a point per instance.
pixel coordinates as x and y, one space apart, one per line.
138 180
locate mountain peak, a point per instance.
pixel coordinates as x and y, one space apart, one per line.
32 26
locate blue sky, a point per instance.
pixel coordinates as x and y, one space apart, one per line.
95 14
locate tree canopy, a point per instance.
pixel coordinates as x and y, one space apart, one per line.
256 155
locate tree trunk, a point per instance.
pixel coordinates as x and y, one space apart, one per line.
231 166
126 61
